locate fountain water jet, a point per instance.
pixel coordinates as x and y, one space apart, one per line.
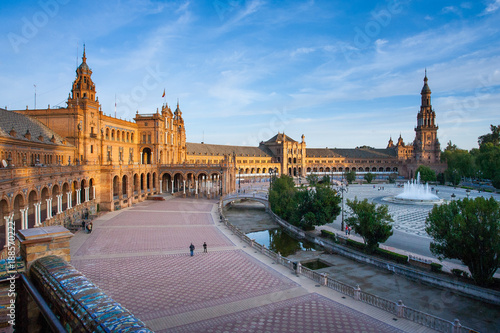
415 193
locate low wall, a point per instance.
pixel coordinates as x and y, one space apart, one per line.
79 304
483 294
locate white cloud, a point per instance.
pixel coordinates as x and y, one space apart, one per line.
492 7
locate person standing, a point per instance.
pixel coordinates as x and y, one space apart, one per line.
191 249
205 247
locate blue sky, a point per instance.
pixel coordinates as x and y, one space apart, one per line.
343 73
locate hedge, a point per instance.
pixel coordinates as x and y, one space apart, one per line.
329 235
435 267
383 253
400 258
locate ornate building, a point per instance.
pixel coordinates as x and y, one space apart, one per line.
60 163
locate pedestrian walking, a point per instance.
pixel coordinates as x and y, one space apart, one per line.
346 230
205 247
350 228
191 249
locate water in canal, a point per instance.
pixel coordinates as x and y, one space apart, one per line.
251 218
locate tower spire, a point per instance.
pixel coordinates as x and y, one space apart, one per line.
84 58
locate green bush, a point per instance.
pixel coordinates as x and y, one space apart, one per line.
329 235
357 245
457 272
435 267
399 258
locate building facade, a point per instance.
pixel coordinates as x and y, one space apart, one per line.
59 163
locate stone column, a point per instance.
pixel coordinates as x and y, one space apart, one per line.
59 203
196 187
68 195
24 220
49 208
184 187
142 162
42 242
37 213
93 192
87 196
161 188
78 196
172 186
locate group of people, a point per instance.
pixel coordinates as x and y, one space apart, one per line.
87 226
191 248
348 230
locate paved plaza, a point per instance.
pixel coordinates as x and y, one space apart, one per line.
139 256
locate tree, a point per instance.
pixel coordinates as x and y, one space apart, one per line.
460 160
350 176
468 230
369 177
282 196
317 206
426 174
372 222
493 137
312 179
303 208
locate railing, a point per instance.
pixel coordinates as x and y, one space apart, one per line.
44 308
396 308
378 302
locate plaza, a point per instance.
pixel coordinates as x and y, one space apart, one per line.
147 268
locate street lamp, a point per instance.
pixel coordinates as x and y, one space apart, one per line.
342 189
221 180
239 180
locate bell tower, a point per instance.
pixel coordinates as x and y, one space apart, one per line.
426 145
83 88
83 126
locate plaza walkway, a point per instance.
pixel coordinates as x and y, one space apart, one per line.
139 256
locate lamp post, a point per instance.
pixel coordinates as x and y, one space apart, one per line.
221 180
342 189
239 180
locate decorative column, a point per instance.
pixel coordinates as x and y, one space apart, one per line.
142 162
87 197
78 197
59 203
172 186
196 188
38 216
49 208
68 195
93 192
161 188
184 187
24 220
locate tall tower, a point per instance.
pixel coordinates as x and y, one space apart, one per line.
427 149
83 124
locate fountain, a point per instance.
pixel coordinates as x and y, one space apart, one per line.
415 193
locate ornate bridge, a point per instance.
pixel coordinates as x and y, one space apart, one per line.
250 195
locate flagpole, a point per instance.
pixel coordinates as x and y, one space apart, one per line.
115 105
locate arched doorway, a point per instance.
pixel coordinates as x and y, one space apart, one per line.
116 187
124 186
146 156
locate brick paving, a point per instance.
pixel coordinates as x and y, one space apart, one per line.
181 282
309 313
162 218
149 239
131 255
